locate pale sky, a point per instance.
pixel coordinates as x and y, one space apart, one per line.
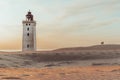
61 23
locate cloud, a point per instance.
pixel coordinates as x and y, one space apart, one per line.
91 5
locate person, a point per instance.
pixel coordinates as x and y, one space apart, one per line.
102 43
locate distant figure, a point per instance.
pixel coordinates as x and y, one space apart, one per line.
102 43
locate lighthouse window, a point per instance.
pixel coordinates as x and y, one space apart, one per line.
28 46
27 34
26 24
29 24
27 29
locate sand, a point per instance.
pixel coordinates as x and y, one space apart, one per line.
59 59
61 65
62 73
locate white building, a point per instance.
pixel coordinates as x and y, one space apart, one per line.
29 33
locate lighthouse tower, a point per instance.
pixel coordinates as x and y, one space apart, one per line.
29 33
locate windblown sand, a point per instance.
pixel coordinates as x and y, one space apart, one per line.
62 73
81 65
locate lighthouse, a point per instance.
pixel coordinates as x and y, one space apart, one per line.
29 33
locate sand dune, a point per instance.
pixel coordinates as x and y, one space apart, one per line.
94 47
58 58
62 64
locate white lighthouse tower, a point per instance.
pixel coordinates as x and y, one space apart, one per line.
29 33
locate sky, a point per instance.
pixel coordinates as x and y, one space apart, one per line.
61 23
